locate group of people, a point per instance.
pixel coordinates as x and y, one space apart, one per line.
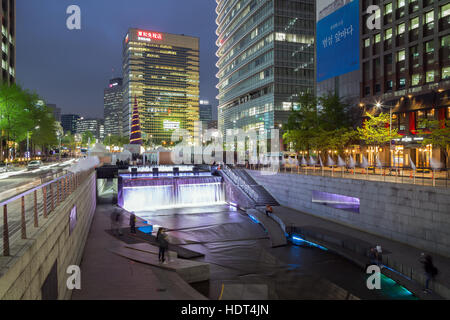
375 258
161 236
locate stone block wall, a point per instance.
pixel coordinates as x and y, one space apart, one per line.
23 275
412 214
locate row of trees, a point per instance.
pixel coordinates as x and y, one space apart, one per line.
23 118
327 122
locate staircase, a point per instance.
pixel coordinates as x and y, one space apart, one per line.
249 186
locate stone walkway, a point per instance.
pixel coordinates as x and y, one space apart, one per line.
401 257
108 276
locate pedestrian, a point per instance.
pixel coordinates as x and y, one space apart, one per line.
133 223
268 210
430 270
373 257
118 221
379 255
161 238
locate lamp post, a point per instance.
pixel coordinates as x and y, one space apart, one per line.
379 106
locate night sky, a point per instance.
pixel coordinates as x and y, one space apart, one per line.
71 68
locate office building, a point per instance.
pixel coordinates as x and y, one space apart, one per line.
113 104
8 16
205 113
405 66
56 112
95 126
161 70
69 122
266 58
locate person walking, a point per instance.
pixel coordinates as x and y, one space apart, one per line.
161 238
430 270
133 223
116 220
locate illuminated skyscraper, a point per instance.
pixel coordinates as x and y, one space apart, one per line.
266 58
162 71
113 104
8 16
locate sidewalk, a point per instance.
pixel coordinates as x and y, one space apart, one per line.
108 276
352 244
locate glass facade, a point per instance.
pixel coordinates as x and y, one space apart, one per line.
8 35
266 58
162 71
113 103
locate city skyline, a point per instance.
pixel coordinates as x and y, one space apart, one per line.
91 69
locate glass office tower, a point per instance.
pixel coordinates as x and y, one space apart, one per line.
162 71
266 58
8 16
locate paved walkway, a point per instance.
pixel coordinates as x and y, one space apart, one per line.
276 233
108 276
337 237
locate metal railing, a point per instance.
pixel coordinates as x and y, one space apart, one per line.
420 176
238 181
26 211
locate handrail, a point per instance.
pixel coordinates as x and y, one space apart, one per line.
59 189
240 183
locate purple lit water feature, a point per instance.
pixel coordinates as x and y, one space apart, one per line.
147 194
312 162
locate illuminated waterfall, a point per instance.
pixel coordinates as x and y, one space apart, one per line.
143 194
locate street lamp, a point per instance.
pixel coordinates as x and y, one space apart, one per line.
379 106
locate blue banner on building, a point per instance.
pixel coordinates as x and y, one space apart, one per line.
338 42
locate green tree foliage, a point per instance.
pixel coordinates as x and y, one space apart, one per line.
21 116
320 124
437 134
87 137
375 131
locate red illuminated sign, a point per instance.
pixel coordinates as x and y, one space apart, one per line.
150 35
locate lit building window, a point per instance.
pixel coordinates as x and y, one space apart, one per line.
388 8
415 79
400 3
400 55
401 28
366 42
445 10
414 23
377 38
429 17
388 34
446 73
429 46
430 76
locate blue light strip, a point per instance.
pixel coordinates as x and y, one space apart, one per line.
253 218
299 239
395 271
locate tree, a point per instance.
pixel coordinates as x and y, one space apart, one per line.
436 134
375 131
321 128
22 117
87 137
